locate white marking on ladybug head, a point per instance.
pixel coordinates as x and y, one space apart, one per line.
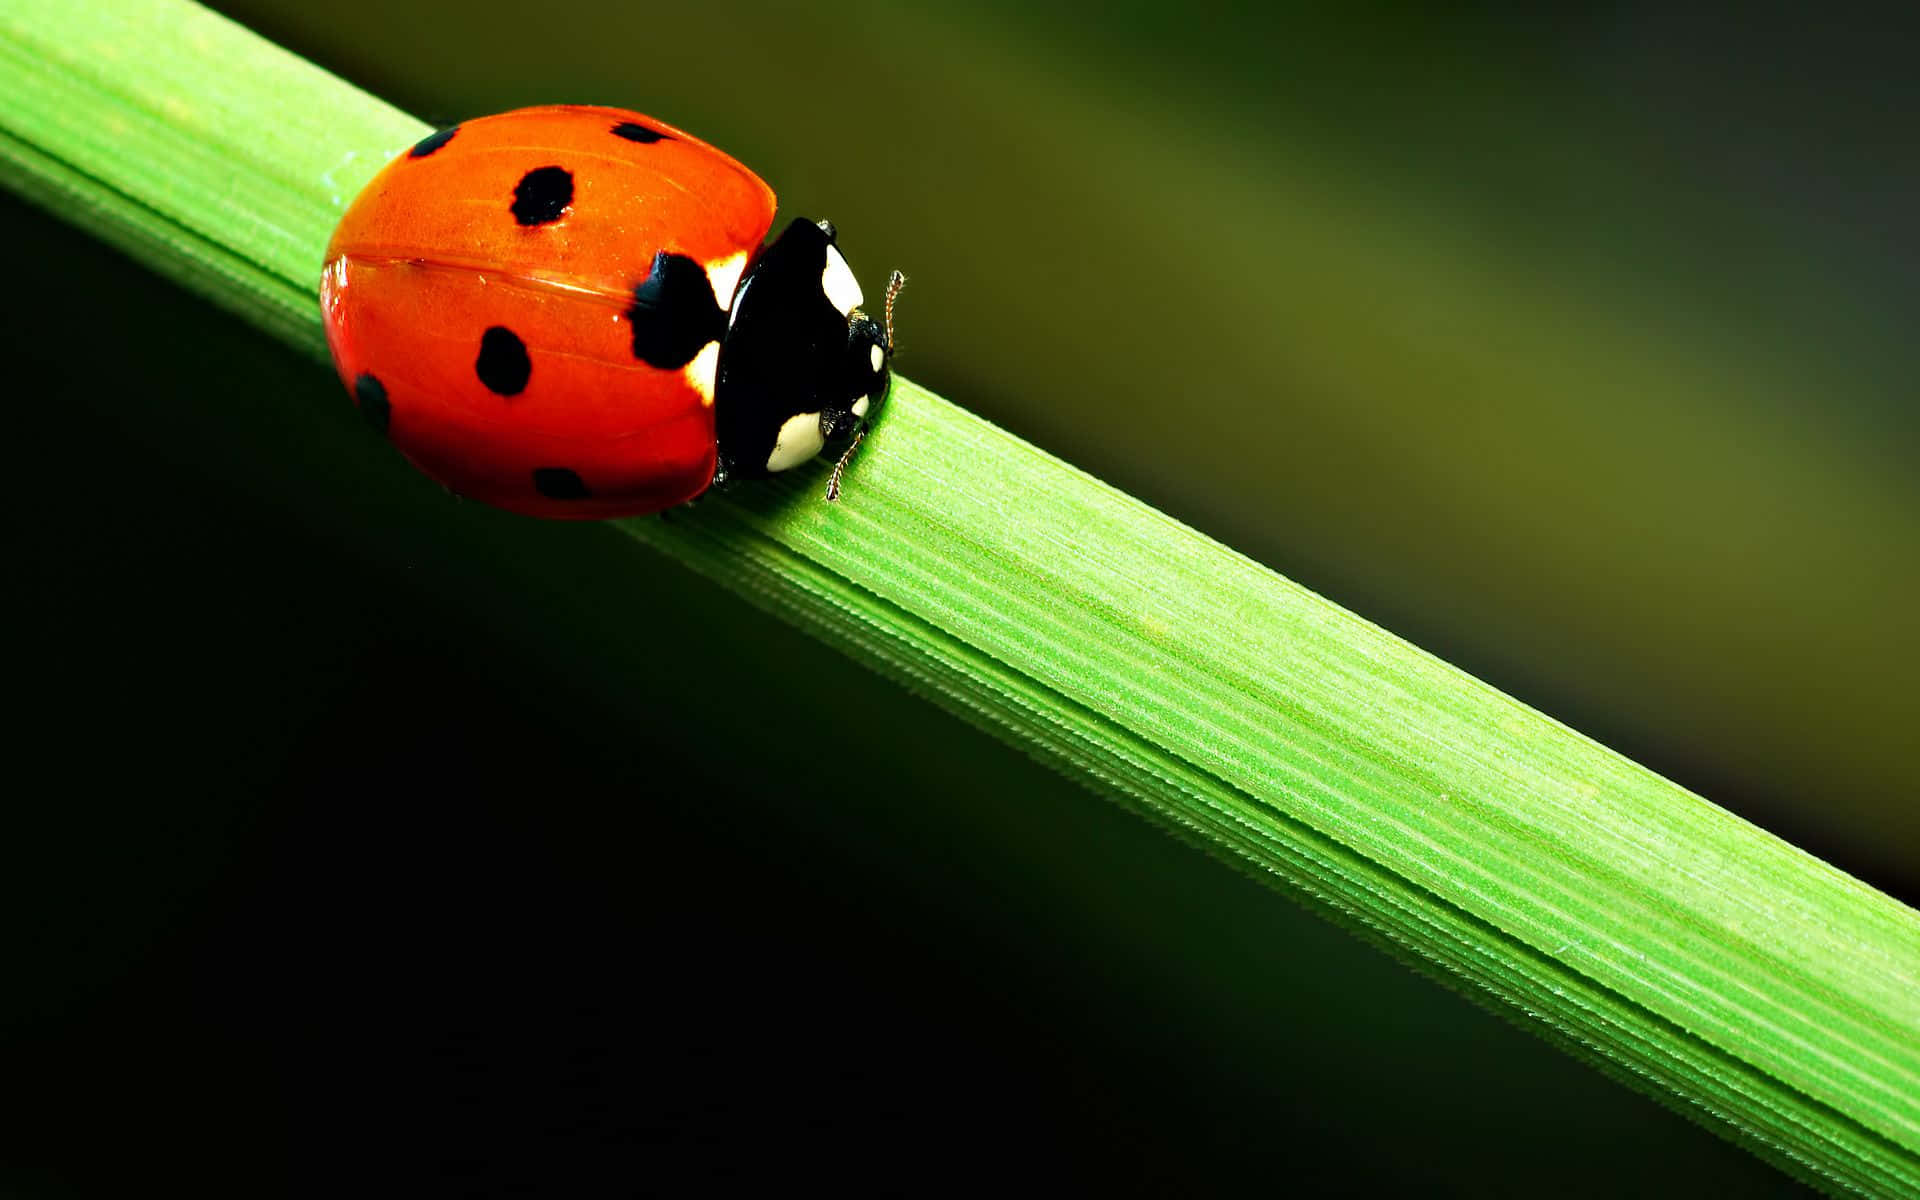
877 356
799 440
724 275
837 281
700 371
861 405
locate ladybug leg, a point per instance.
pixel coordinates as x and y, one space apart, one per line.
721 478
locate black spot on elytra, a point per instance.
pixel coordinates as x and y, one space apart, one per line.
503 364
371 395
633 131
542 195
674 313
558 483
433 141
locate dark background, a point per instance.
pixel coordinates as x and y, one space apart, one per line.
366 840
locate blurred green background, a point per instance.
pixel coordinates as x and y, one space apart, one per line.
1573 348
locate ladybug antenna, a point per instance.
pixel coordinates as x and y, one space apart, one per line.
840 468
894 283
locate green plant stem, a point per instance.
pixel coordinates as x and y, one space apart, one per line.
1681 949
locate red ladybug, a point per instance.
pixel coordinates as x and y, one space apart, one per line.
568 312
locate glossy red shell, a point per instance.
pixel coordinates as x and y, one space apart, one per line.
431 256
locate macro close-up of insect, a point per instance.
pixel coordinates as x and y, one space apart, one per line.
1349 634
567 312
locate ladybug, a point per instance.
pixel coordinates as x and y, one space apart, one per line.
568 312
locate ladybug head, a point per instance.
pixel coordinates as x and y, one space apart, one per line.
865 380
802 367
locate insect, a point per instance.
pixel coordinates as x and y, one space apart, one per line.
568 312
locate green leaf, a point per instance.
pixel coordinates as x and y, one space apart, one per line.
1674 945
